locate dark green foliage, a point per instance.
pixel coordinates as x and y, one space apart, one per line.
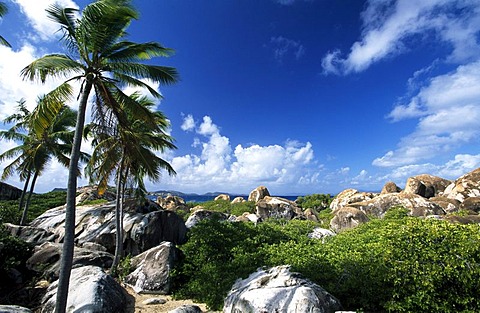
315 201
217 253
40 203
224 206
396 264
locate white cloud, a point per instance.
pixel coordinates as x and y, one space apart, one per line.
188 123
12 86
284 47
449 110
388 26
219 167
35 12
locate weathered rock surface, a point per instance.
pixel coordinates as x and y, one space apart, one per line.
278 290
30 234
9 192
46 259
258 194
187 308
223 197
238 200
90 290
347 217
471 204
13 309
172 203
97 224
276 207
321 233
390 187
464 187
349 196
152 269
447 204
426 185
199 215
417 205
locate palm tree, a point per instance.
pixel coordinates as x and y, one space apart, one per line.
3 11
36 150
100 59
129 153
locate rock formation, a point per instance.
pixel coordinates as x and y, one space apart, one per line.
278 290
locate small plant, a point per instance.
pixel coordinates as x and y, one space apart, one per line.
124 268
318 202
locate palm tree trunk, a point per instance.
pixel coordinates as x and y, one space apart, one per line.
69 239
118 219
24 191
29 197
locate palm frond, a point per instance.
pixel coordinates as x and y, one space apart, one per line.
55 65
126 51
66 17
162 74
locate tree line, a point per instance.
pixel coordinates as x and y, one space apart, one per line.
126 131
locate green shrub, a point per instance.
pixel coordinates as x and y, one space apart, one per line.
217 253
39 203
398 265
315 201
224 206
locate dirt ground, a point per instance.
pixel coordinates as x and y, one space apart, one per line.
136 305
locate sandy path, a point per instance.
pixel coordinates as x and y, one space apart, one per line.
136 303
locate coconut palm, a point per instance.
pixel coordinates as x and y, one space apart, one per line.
99 58
3 11
130 155
35 151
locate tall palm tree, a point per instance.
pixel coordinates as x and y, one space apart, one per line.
130 155
100 58
3 11
36 150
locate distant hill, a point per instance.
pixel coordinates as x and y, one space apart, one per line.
165 193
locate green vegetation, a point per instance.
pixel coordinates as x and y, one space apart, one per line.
317 201
40 203
396 264
224 206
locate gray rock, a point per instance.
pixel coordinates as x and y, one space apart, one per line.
154 301
152 269
13 309
321 233
426 185
276 207
46 259
223 197
390 187
200 214
417 205
278 290
349 196
238 200
90 290
258 194
187 308
464 187
471 204
97 224
30 234
347 217
9 192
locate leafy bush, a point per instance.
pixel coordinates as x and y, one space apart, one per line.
39 203
224 206
315 201
217 253
397 264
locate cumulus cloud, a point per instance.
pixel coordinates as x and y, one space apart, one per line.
188 123
448 109
388 26
35 12
284 47
219 167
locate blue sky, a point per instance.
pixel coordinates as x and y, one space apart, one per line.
303 97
